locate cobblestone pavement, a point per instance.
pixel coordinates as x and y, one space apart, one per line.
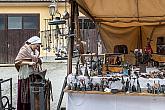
56 73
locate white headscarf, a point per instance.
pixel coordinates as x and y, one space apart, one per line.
34 40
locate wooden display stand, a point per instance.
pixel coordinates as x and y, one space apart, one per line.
158 58
92 56
111 58
111 68
112 62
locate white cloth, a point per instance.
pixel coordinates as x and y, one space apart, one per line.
76 101
34 40
25 71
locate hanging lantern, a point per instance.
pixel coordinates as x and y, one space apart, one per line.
52 9
65 14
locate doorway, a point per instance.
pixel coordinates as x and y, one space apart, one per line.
15 29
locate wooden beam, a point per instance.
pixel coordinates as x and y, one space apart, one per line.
71 38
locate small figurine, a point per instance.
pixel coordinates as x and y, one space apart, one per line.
90 84
138 86
127 85
78 86
156 88
133 86
123 82
149 89
82 85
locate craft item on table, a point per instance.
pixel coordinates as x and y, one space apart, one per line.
68 86
125 71
101 87
74 86
123 82
78 86
149 88
154 74
86 71
108 74
79 70
138 86
99 67
133 86
96 87
114 91
106 82
130 85
127 85
90 84
79 67
107 90
159 87
163 89
130 88
118 60
82 85
107 69
156 88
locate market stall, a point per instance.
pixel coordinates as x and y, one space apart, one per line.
113 81
107 81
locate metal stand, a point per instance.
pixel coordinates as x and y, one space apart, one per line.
7 105
40 91
37 92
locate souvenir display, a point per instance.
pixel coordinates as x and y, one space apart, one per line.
110 73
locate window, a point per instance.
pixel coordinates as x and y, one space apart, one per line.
30 22
88 24
22 22
80 23
14 22
2 23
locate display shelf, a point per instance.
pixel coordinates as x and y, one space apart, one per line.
92 54
117 94
112 68
113 58
159 58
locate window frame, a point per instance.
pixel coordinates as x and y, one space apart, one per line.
23 16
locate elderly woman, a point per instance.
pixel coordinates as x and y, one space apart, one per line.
24 63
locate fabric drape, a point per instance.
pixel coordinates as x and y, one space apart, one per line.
128 22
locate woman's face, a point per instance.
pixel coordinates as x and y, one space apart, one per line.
35 46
